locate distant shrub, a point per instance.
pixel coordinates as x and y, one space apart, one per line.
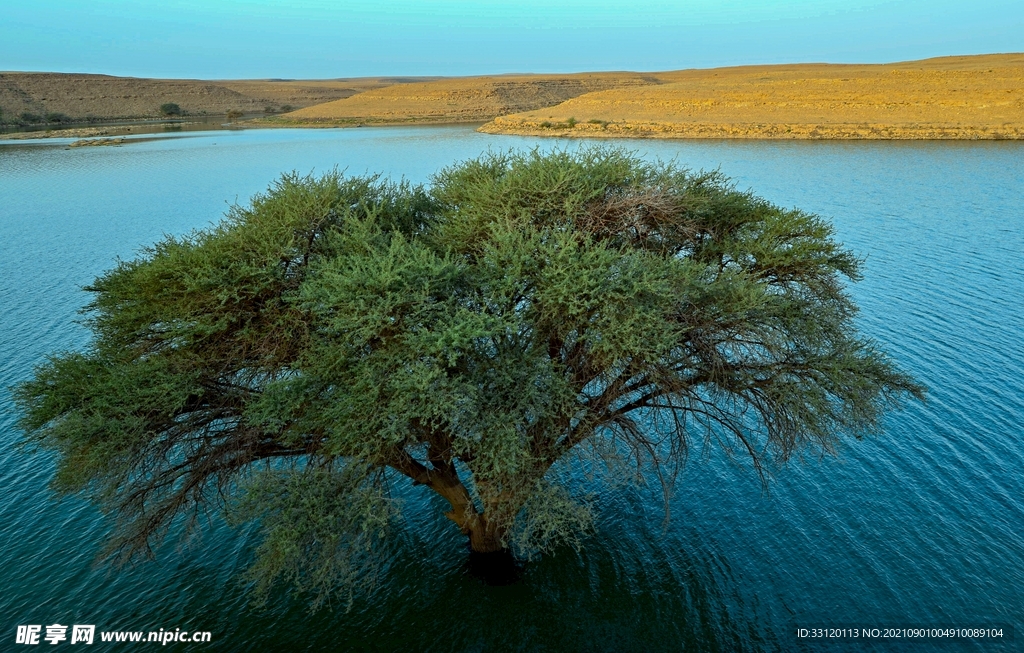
57 117
546 125
234 114
30 118
285 108
571 122
269 109
170 109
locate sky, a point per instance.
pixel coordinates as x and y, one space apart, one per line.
321 39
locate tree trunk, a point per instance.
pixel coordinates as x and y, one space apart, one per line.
483 536
489 560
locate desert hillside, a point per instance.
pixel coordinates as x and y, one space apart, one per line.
463 99
950 97
83 98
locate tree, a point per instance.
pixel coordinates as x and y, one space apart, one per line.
234 114
475 337
170 109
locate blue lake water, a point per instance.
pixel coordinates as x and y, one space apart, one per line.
920 525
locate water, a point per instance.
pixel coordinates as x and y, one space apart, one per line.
922 525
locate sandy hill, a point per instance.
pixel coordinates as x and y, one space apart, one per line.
102 97
464 99
950 97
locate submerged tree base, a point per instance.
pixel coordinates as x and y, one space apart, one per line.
494 568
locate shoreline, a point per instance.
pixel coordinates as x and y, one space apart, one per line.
611 130
149 128
356 122
759 131
121 127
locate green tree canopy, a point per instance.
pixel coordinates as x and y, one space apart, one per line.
340 334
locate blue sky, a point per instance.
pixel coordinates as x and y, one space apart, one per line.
220 39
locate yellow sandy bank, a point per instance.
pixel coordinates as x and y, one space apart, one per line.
973 97
462 99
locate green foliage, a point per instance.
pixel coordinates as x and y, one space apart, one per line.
351 333
30 118
234 114
550 517
571 122
170 109
285 108
323 528
57 117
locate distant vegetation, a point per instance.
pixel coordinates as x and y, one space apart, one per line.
170 109
234 114
284 108
28 118
568 124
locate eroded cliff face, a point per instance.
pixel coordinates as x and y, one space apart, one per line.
979 97
465 99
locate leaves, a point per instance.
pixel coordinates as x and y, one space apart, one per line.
322 529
